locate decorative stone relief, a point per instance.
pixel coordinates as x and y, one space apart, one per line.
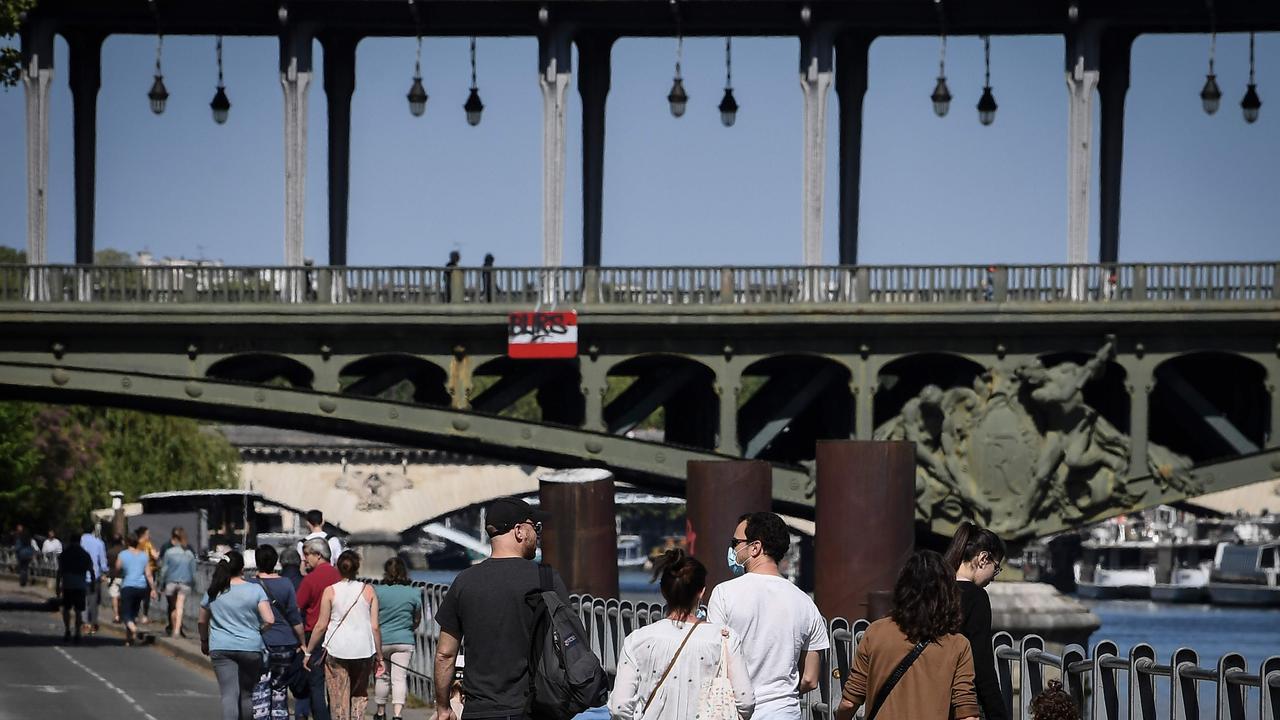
373 486
1022 445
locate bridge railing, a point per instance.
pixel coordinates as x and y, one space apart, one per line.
574 286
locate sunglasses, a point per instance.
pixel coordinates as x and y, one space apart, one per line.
537 526
736 541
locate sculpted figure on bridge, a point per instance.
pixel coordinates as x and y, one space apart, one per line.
1023 445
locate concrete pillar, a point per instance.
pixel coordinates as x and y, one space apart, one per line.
719 492
1082 80
37 77
864 401
1139 382
728 385
295 79
85 51
864 516
1112 87
339 85
554 74
593 86
1273 388
581 539
815 82
595 382
851 88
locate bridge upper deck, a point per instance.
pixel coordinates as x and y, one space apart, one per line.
830 287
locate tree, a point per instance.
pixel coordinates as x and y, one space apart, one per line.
59 463
12 13
111 256
12 256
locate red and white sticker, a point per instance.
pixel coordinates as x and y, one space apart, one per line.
542 335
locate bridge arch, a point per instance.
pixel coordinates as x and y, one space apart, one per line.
396 376
533 390
790 401
903 378
1107 392
670 392
1210 405
262 369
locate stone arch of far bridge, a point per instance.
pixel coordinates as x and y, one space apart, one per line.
396 376
259 368
789 401
1211 404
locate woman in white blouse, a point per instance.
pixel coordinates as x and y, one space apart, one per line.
646 660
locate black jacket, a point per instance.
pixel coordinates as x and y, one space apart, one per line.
975 610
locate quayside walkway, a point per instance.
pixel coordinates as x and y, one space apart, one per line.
638 286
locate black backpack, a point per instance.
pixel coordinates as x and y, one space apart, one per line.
565 677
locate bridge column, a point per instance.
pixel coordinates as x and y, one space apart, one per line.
339 85
593 85
37 77
728 385
1140 380
85 78
864 527
1112 87
815 81
719 492
554 72
1273 387
595 382
295 79
851 88
1082 79
864 401
581 538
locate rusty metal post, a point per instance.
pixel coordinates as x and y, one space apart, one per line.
865 523
719 492
581 538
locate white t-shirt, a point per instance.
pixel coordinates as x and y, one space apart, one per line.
335 546
52 546
778 624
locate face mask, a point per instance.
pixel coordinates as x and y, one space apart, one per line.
735 567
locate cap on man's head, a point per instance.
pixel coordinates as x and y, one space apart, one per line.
505 513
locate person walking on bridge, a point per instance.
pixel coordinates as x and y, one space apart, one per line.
781 629
233 615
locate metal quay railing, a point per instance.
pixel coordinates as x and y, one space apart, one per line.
643 286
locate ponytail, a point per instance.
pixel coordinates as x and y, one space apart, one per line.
230 566
682 578
968 541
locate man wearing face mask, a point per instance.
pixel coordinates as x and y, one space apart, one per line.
486 606
781 629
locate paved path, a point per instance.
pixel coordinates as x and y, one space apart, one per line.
41 676
100 679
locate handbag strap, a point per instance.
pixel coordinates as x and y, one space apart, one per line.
354 603
671 664
895 677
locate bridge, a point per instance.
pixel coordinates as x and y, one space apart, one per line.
1104 387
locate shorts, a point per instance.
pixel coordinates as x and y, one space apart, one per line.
113 588
131 602
73 599
177 588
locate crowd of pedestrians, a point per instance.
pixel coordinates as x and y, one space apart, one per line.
305 625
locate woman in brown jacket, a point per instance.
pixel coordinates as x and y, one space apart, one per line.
926 614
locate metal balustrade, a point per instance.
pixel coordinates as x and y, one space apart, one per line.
1106 684
644 286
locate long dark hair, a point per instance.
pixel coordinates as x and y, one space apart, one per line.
926 603
970 540
681 577
230 566
394 572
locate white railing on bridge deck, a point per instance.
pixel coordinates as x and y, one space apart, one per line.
575 286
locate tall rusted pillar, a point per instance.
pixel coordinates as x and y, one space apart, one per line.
581 538
719 492
865 521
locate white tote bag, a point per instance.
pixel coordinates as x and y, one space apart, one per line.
718 702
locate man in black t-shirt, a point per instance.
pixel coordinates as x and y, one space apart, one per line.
76 576
486 607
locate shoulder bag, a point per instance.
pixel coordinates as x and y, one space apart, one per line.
718 701
322 653
670 665
895 677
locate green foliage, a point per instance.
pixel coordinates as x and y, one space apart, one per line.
111 256
58 463
12 256
11 15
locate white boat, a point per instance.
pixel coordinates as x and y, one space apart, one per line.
1246 575
631 551
1115 570
1183 567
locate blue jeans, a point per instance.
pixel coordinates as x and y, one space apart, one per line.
318 704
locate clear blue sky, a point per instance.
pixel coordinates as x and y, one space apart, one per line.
684 191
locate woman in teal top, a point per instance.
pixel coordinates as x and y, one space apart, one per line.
233 616
134 568
399 614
